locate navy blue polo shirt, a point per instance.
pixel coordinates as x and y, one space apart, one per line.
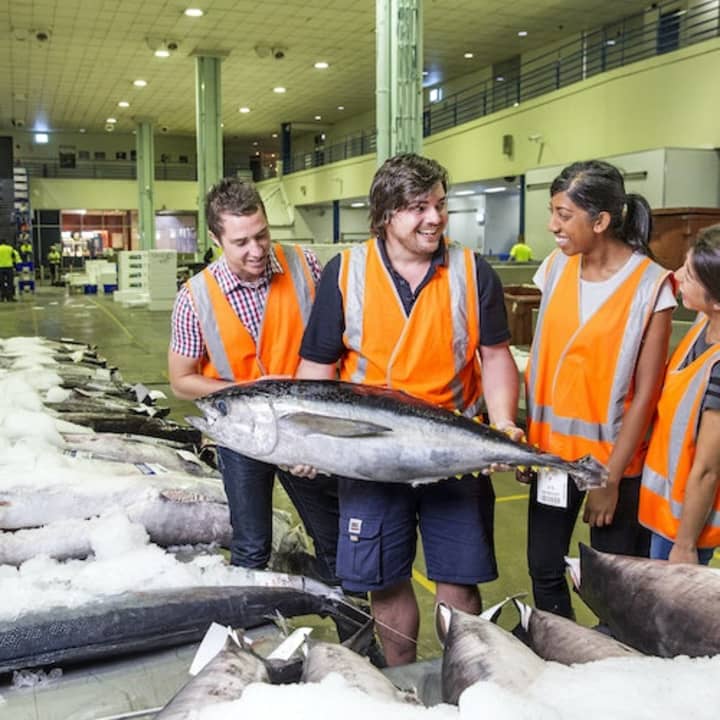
323 343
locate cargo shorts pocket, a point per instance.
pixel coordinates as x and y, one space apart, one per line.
359 556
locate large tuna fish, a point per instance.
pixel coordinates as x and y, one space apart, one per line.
475 649
553 637
143 621
654 606
223 679
365 432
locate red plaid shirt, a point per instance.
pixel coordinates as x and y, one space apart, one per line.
246 298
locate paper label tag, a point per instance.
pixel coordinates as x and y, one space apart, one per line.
552 487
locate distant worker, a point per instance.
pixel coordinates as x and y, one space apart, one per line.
26 251
680 494
241 318
53 260
9 258
520 252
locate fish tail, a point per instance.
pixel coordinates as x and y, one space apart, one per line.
588 473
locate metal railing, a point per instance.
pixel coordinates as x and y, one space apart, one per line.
595 52
104 169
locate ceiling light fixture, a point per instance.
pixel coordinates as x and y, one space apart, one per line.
244 110
469 55
522 33
124 104
318 117
111 120
341 107
274 135
41 138
322 65
139 83
279 90
194 12
357 204
162 53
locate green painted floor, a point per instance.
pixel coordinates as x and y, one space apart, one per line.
136 340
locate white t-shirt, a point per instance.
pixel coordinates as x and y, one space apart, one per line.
594 294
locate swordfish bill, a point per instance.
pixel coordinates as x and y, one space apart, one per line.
366 432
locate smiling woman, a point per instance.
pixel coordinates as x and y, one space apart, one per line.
595 369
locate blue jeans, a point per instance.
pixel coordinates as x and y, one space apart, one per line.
249 485
660 548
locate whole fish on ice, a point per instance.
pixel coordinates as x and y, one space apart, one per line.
365 432
654 606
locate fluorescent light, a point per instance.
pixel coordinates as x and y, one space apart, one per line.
610 43
357 204
499 188
41 138
318 117
321 65
500 78
162 53
341 107
464 192
522 33
194 12
274 135
124 104
139 83
279 90
244 110
469 55
112 121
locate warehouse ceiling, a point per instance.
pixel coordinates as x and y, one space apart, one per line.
66 64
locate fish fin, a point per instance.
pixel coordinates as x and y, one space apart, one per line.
314 424
443 618
573 565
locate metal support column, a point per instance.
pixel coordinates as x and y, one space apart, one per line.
336 221
145 147
209 135
399 60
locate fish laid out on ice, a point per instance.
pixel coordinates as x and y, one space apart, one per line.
142 621
126 448
654 606
365 432
223 679
324 658
475 648
556 638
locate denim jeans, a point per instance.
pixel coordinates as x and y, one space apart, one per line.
660 548
249 485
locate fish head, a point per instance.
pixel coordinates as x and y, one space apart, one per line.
244 424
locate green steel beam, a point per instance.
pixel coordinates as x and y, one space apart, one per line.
146 182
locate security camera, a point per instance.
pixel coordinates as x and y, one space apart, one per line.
110 127
172 46
18 122
278 53
42 36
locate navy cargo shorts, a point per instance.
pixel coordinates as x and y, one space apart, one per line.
378 531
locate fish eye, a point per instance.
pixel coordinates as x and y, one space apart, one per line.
221 407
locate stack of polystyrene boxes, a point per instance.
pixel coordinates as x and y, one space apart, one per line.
162 278
132 278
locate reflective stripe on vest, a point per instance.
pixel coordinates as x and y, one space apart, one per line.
208 323
672 446
627 349
353 282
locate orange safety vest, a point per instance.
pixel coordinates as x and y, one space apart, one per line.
579 379
432 354
672 445
232 353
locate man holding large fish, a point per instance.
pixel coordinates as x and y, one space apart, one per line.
240 319
409 311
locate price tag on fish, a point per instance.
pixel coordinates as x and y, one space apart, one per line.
552 487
